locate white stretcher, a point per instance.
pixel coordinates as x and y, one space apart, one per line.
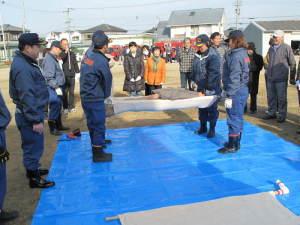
140 104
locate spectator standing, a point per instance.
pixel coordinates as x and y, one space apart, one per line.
185 58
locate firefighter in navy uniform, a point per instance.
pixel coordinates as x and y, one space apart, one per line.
206 74
5 118
235 81
28 90
95 87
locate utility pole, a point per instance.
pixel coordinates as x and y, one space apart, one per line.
237 5
24 17
68 24
3 34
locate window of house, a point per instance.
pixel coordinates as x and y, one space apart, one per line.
14 37
88 36
75 38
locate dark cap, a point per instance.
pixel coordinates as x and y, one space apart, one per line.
99 39
202 39
56 44
235 34
251 46
31 39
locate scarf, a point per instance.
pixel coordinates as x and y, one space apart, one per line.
155 63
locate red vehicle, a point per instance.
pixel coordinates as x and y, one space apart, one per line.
115 51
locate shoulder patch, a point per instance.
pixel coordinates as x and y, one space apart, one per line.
247 60
88 61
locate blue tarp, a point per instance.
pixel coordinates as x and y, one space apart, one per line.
161 166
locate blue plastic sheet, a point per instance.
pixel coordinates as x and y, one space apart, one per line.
163 166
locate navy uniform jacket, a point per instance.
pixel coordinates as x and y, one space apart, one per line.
27 88
95 77
206 72
236 71
4 114
52 72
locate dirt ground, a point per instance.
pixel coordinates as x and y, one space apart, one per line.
20 197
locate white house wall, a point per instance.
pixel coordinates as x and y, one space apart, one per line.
266 40
187 31
180 32
126 41
288 38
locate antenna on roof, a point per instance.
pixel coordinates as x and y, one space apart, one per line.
237 5
3 35
24 16
68 24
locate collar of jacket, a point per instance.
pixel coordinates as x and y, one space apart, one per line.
203 55
236 50
26 57
101 53
276 47
136 55
53 56
187 49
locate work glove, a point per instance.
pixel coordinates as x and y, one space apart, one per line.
132 80
298 84
58 91
194 86
292 82
228 103
138 78
108 100
4 155
223 94
209 93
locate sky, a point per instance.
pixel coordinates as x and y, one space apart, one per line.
136 16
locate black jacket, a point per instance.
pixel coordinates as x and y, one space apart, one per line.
70 65
206 72
134 67
256 65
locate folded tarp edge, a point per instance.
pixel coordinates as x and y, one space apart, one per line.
260 208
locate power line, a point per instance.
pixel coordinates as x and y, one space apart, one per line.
262 17
11 5
269 17
130 6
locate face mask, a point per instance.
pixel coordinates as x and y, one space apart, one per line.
146 52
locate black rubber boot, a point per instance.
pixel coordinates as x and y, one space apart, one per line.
36 181
100 156
203 128
239 141
6 216
232 146
269 117
42 171
212 131
60 126
53 128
